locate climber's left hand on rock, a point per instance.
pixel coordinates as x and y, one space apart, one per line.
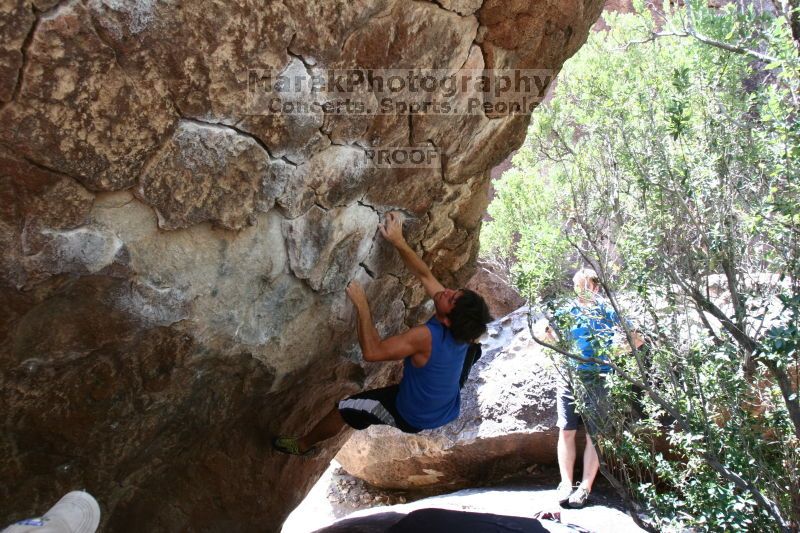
356 293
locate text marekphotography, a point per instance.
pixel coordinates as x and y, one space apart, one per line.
396 91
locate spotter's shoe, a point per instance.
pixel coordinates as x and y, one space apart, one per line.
563 492
579 498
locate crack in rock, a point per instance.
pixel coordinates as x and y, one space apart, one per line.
210 172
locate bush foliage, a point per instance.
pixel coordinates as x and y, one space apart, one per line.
667 160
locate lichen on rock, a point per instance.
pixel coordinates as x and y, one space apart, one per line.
208 172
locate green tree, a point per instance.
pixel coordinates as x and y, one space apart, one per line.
668 161
522 233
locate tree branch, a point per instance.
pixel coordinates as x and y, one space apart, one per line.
710 459
736 49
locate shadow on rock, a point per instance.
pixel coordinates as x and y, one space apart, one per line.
437 520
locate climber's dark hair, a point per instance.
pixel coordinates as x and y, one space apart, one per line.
469 316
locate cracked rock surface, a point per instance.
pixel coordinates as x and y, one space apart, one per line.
173 261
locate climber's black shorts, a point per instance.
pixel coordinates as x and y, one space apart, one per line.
374 407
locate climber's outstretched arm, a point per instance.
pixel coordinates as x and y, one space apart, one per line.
392 229
415 342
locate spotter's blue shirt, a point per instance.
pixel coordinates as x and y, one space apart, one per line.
592 331
429 397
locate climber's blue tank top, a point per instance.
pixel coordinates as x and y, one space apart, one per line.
430 397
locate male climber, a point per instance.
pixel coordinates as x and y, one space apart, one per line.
433 355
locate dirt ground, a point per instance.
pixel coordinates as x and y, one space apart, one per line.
338 495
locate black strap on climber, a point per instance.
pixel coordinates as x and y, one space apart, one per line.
473 354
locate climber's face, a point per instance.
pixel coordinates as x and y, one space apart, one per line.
445 301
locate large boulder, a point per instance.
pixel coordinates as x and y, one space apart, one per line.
491 282
507 423
173 255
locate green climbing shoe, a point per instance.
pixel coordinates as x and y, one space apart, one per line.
290 445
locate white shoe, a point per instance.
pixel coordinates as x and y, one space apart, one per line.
76 512
563 492
579 498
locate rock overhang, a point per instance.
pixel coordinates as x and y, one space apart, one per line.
173 266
